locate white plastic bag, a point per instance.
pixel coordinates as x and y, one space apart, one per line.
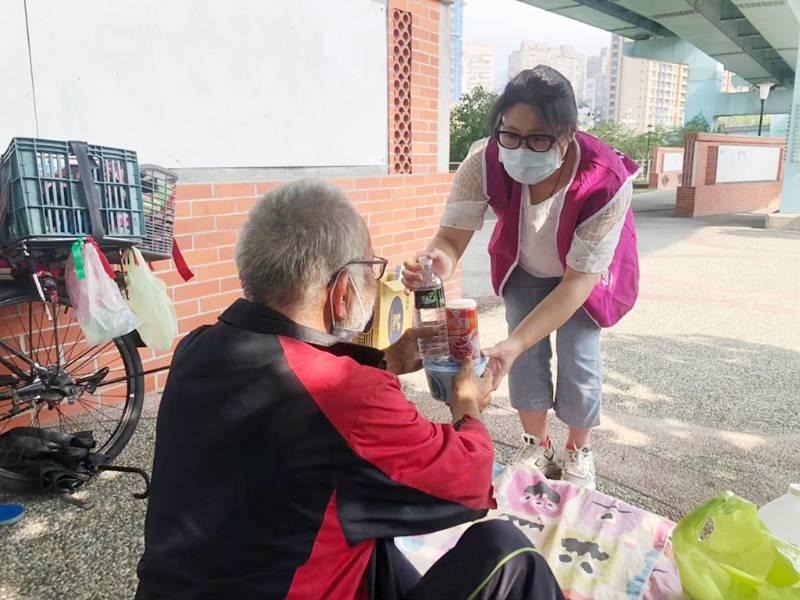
99 307
147 296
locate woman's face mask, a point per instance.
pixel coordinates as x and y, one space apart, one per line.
529 167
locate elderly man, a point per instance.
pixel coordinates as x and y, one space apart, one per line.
286 459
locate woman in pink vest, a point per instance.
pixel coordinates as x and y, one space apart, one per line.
563 257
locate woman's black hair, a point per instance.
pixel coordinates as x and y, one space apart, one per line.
546 90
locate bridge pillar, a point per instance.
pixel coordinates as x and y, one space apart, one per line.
790 199
704 86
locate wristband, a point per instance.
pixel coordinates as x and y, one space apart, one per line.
457 425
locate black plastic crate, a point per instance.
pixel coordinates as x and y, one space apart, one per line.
44 189
158 195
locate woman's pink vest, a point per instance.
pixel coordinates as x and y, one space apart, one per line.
600 175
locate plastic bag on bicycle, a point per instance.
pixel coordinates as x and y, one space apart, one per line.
147 297
99 307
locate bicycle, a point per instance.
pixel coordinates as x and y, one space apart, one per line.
55 380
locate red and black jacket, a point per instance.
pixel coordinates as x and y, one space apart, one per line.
283 458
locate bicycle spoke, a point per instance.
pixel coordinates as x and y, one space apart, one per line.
39 342
84 361
97 350
104 405
97 409
75 342
77 426
12 340
91 369
113 376
30 329
55 311
51 330
108 433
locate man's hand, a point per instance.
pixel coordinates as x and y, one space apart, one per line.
471 394
403 356
501 357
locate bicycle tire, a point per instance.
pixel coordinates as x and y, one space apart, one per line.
11 481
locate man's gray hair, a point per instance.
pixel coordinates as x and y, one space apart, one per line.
295 239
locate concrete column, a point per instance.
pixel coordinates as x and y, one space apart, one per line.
703 86
790 199
779 126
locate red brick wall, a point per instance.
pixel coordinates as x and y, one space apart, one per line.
705 196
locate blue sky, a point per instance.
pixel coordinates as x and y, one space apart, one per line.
506 23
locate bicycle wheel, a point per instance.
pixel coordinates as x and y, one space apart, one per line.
50 377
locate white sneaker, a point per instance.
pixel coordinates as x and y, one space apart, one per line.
579 467
533 456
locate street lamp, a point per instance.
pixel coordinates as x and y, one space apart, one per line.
763 93
647 155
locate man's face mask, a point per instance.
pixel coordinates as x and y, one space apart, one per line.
358 320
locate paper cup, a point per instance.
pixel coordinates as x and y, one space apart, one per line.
441 374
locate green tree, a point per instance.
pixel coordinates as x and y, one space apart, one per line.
675 137
469 121
621 137
635 145
699 123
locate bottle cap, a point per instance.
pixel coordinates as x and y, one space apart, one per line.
425 261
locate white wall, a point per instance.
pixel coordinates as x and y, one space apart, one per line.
673 162
203 83
747 163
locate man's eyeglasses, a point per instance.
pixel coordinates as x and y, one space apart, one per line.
378 265
538 142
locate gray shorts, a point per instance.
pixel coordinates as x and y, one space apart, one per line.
579 383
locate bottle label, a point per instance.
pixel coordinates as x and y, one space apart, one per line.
429 298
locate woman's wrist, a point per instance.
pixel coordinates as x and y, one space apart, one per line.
513 346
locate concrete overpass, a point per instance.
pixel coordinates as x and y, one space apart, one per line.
757 40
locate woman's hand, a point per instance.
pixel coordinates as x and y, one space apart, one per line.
501 357
412 270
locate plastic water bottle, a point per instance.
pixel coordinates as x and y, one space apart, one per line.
430 313
782 515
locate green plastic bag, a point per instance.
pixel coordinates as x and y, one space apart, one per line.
148 299
725 552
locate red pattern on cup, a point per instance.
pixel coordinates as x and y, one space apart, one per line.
462 329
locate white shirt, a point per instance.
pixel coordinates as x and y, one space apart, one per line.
593 243
538 252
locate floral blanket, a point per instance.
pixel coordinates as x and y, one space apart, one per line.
598 547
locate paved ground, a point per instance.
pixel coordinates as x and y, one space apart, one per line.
702 395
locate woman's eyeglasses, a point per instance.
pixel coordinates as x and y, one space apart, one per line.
538 142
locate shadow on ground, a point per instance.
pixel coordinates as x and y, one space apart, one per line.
709 381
